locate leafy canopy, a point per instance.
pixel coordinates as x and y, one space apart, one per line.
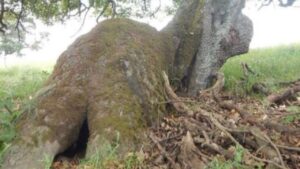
17 17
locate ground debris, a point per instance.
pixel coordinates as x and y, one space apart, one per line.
285 95
215 125
65 163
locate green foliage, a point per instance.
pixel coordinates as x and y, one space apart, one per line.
3 148
271 66
103 156
17 87
19 17
132 161
294 116
236 162
107 157
7 131
18 83
10 42
47 162
291 118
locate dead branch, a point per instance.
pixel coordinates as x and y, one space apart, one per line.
288 93
295 82
8 109
163 151
213 123
216 89
189 154
240 135
289 148
223 129
279 127
266 139
247 70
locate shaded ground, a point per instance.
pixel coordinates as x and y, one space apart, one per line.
217 130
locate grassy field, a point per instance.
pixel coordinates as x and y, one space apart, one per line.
18 84
271 66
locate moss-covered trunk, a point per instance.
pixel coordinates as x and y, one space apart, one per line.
111 78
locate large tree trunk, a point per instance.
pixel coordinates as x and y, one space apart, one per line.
111 78
207 33
226 32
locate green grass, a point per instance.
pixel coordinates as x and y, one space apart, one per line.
47 162
20 82
236 162
293 116
272 66
17 85
107 157
103 157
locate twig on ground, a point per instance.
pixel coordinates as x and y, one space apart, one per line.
8 109
247 70
279 127
180 106
176 101
267 141
289 148
277 98
171 138
289 83
223 129
162 150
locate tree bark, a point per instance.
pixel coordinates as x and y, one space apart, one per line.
226 32
208 33
112 78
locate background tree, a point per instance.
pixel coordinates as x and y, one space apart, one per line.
11 43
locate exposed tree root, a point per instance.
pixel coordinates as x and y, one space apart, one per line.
177 103
211 126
